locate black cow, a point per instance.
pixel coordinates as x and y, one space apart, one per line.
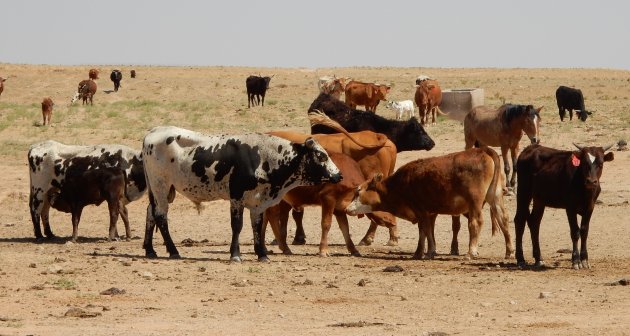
92 187
406 135
256 87
116 77
558 179
571 99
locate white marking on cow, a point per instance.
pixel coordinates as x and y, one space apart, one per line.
591 158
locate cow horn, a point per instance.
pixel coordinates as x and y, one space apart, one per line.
608 147
578 147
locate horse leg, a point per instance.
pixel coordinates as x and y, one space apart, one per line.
513 152
506 166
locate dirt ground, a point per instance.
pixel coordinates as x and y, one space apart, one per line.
95 287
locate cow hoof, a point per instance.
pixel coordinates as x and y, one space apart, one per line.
236 259
392 242
417 257
324 254
274 242
175 256
264 259
454 252
287 252
299 241
366 242
539 263
151 255
355 254
585 264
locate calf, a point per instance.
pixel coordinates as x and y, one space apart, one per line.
333 199
116 77
366 94
93 74
92 187
2 80
256 88
401 107
558 179
50 162
85 91
252 171
571 99
428 98
47 109
454 184
406 135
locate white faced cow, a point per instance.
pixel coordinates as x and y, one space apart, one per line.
50 162
252 171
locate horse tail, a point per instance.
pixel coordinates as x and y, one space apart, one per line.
319 118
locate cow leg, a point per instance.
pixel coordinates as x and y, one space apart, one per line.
157 212
456 226
76 218
259 244
533 223
431 249
393 236
236 221
575 236
263 99
562 113
278 216
421 237
570 114
521 217
327 212
586 219
475 222
342 220
369 235
122 209
35 211
112 205
46 220
300 235
506 166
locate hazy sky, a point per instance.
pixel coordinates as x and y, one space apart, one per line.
322 33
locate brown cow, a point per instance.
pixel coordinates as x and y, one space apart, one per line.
2 80
428 98
366 94
563 180
47 109
332 197
453 184
85 91
133 73
93 74
374 153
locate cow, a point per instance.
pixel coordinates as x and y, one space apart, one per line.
428 97
406 135
256 88
47 109
93 74
50 162
133 73
116 77
453 184
571 99
332 85
422 78
365 94
401 107
372 151
92 187
558 179
2 80
252 171
86 90
333 199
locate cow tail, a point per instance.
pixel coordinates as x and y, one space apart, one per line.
437 108
496 210
319 118
126 180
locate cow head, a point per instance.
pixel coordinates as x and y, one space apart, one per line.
366 197
75 98
382 91
267 80
590 162
583 114
318 167
412 136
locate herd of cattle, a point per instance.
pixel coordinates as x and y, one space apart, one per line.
346 166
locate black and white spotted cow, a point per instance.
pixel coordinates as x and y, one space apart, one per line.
50 162
252 171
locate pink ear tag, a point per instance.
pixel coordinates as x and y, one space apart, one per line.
575 160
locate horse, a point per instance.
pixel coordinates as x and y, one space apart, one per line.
503 128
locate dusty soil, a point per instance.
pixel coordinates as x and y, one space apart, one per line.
203 293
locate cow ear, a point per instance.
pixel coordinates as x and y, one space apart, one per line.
609 157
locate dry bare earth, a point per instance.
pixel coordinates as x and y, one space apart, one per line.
204 294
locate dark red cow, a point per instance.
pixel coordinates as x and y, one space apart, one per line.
558 179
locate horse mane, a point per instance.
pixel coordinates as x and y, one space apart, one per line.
511 112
